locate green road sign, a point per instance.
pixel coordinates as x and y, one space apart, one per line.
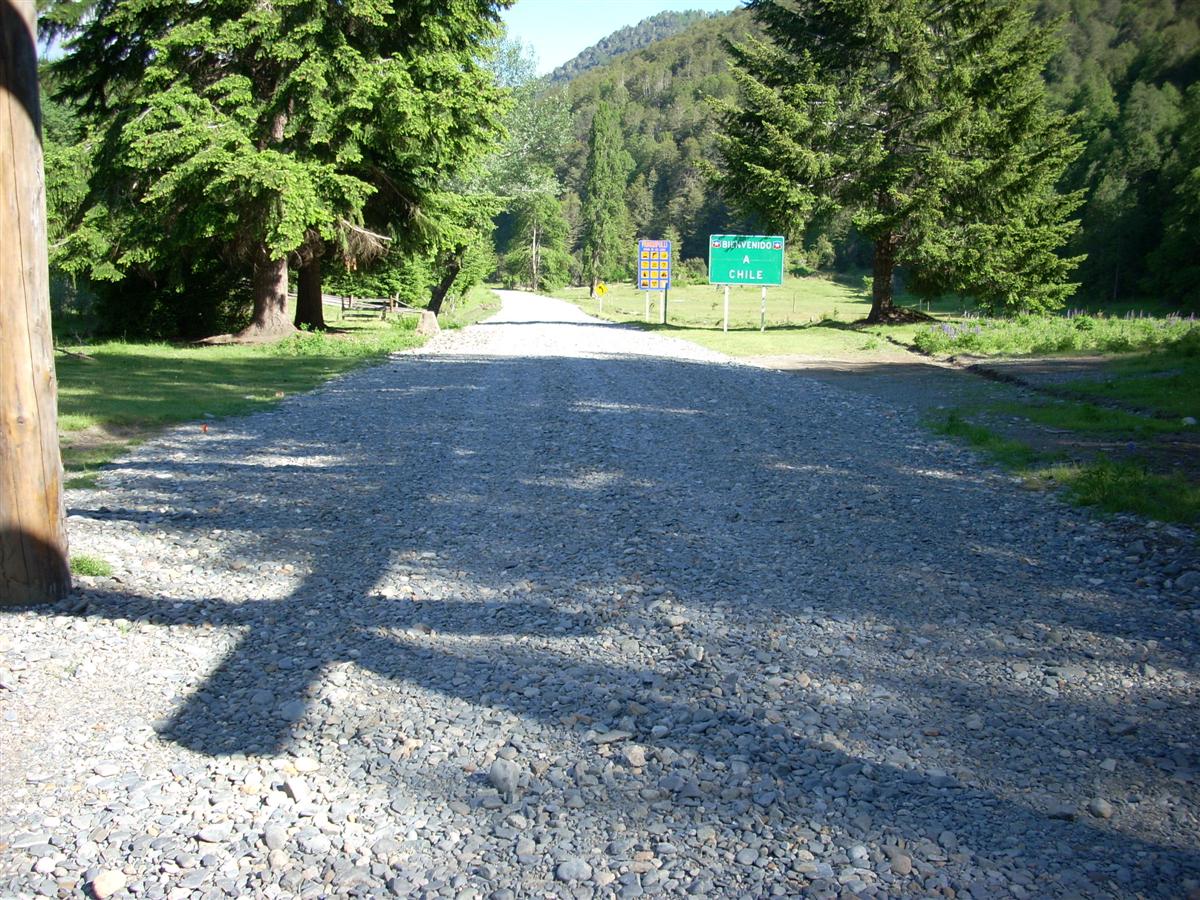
745 259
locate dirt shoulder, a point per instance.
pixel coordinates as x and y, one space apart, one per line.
991 393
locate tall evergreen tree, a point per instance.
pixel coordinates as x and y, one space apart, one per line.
537 254
1175 263
262 131
928 120
607 238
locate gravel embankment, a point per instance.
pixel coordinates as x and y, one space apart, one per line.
556 608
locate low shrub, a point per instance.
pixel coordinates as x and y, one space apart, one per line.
1039 335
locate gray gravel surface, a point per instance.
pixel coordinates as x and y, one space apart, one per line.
556 608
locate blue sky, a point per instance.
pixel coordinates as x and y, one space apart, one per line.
559 29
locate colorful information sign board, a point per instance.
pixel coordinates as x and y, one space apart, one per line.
745 259
654 265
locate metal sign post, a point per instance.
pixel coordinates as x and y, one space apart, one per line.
762 312
726 327
662 308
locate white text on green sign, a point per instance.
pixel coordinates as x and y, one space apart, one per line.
745 259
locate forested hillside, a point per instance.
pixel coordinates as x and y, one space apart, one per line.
663 95
400 202
623 40
1126 69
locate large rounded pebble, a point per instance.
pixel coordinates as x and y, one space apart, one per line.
573 870
107 883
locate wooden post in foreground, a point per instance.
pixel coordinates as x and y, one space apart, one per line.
33 537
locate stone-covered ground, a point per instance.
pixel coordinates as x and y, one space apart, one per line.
557 608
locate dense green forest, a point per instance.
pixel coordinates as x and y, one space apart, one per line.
1126 70
469 166
205 159
663 95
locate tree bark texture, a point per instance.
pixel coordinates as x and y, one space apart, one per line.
33 537
453 267
881 281
310 309
270 298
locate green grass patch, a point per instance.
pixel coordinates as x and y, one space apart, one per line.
479 303
805 316
1087 417
829 338
1128 487
799 301
123 391
90 565
1042 335
1166 381
1009 453
1113 487
138 385
83 459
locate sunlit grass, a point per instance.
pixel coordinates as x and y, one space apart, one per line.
1114 487
90 565
1008 453
1049 334
1166 381
806 316
112 393
1088 417
1128 487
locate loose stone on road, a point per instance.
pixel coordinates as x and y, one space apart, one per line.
552 607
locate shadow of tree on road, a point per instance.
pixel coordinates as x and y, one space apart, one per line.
516 520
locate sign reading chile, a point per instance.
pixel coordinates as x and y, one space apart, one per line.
745 259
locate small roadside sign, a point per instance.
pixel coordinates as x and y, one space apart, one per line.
653 265
745 259
601 288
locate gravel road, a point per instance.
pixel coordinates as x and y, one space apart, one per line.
556 608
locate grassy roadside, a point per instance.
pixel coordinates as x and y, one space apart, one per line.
1130 425
810 316
1166 381
1135 479
818 316
123 392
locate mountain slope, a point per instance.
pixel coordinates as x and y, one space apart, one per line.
624 40
662 92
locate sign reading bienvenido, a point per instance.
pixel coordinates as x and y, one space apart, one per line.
745 259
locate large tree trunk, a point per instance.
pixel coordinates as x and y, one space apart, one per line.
33 537
310 309
270 320
882 307
453 267
595 276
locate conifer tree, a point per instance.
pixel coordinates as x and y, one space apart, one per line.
928 121
537 254
606 235
262 131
